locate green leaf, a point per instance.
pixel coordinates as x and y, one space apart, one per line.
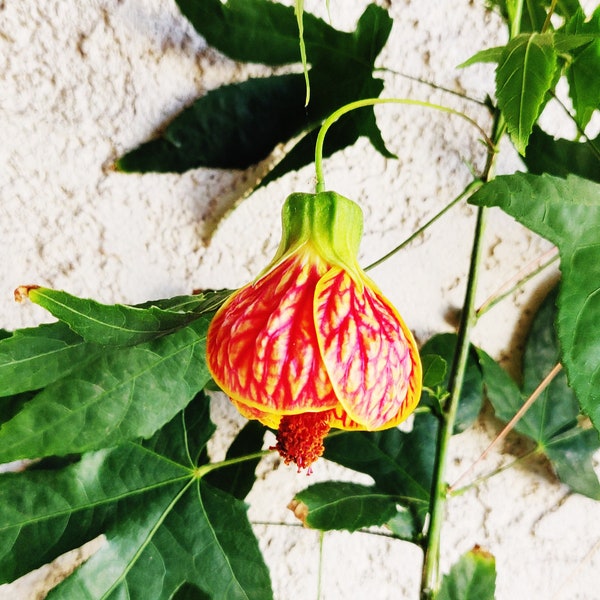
473 577
335 505
163 524
524 76
566 212
489 55
471 395
124 394
583 72
260 31
115 325
435 369
560 157
401 464
232 127
35 357
236 126
566 42
553 419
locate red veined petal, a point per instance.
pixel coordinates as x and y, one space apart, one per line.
368 351
261 345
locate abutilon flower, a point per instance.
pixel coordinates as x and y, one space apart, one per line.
312 343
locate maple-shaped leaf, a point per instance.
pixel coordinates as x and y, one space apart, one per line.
166 529
566 212
238 125
103 375
553 421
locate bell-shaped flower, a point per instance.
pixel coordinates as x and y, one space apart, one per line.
312 343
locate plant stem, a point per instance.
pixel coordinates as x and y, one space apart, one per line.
453 491
203 470
522 277
320 187
432 85
430 580
470 189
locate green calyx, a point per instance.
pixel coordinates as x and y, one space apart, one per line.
328 222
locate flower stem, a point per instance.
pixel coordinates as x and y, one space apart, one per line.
320 187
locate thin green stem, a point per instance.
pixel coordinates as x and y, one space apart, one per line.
320 574
431 568
515 25
549 16
434 86
320 187
203 470
588 141
452 491
522 279
299 10
430 580
470 189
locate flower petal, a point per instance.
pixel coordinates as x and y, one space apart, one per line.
369 353
262 348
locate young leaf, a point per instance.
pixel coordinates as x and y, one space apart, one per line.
35 357
523 77
124 394
471 395
583 72
473 577
435 369
162 524
335 505
489 55
115 325
566 212
546 154
552 421
400 463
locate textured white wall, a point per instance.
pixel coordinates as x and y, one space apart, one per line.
80 83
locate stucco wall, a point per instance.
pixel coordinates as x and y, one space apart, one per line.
82 82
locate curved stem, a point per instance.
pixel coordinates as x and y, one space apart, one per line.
320 187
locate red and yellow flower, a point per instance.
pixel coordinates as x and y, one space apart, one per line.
312 343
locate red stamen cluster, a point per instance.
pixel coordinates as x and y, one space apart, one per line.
300 438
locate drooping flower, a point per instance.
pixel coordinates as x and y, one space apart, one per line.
312 343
